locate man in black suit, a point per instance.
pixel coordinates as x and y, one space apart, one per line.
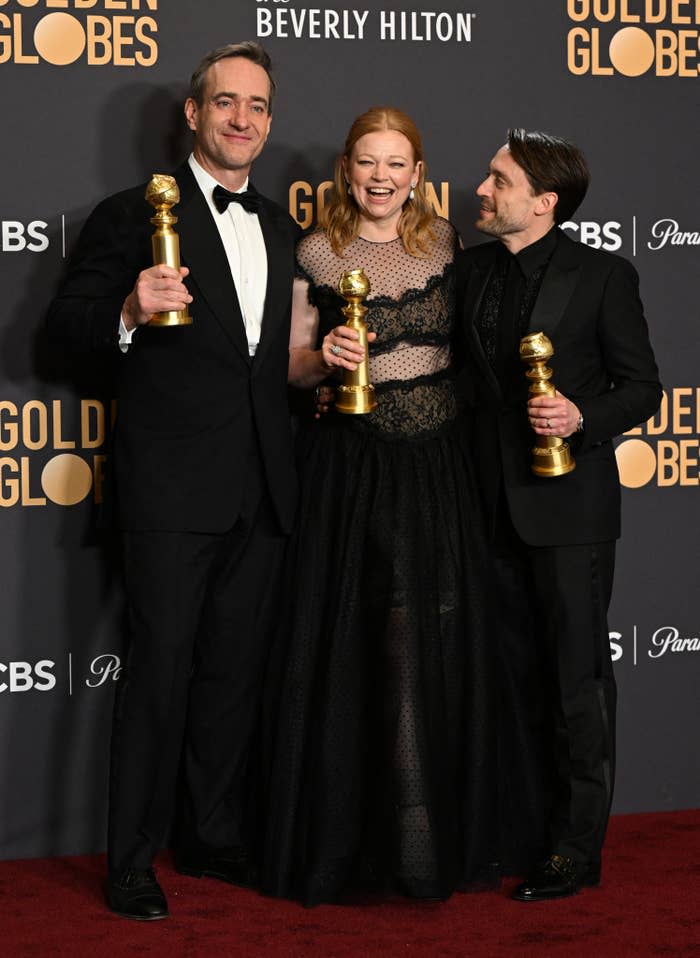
203 478
554 538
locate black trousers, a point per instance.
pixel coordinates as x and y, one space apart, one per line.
200 609
553 604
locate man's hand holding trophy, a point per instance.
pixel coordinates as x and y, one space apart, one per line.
159 297
551 455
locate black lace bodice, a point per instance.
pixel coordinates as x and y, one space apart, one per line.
411 309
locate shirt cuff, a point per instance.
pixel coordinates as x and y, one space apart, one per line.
125 335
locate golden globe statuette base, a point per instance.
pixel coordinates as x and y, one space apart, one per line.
551 455
163 193
356 395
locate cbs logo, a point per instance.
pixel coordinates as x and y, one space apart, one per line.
15 237
616 649
598 235
22 676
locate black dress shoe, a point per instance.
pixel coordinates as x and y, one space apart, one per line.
135 893
557 877
231 865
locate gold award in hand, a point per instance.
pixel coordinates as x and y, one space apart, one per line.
551 456
163 193
356 395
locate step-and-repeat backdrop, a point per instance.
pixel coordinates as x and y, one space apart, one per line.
92 93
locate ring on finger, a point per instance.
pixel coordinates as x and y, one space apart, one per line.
336 350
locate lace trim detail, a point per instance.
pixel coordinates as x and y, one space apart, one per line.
395 276
387 302
407 411
412 311
429 379
417 317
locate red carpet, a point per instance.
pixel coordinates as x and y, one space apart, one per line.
648 904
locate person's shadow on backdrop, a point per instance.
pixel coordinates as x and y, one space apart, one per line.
72 611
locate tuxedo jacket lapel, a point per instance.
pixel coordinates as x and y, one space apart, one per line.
203 252
558 284
477 282
273 313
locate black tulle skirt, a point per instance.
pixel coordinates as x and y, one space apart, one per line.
381 741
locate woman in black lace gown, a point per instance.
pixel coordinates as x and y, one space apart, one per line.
383 765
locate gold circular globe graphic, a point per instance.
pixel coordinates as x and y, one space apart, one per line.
59 38
631 51
636 462
66 479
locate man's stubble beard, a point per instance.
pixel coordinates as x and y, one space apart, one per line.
498 227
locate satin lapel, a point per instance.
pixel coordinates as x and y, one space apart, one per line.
558 285
478 280
203 252
277 292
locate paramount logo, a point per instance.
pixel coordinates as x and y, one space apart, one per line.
667 232
669 639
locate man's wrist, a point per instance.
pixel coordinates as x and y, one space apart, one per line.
131 314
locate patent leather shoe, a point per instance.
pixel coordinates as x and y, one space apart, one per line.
232 865
557 877
135 893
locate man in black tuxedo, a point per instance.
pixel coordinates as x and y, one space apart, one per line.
554 538
203 478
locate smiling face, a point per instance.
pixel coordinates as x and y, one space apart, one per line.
510 209
232 122
380 171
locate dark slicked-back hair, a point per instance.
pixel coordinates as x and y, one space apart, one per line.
551 165
249 50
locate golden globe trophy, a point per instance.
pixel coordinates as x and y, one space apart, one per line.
356 395
163 193
551 456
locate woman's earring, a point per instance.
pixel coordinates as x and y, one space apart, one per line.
413 191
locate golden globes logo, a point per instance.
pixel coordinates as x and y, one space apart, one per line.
73 436
100 32
632 37
306 200
666 448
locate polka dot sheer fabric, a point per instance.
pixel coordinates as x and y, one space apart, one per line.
410 310
382 765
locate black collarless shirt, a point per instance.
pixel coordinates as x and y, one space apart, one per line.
507 306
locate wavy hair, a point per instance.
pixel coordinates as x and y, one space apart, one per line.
341 217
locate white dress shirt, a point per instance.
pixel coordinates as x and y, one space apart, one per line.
243 241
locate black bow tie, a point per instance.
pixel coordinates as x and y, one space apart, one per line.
250 200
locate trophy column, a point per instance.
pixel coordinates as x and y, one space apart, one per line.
551 456
163 193
356 395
